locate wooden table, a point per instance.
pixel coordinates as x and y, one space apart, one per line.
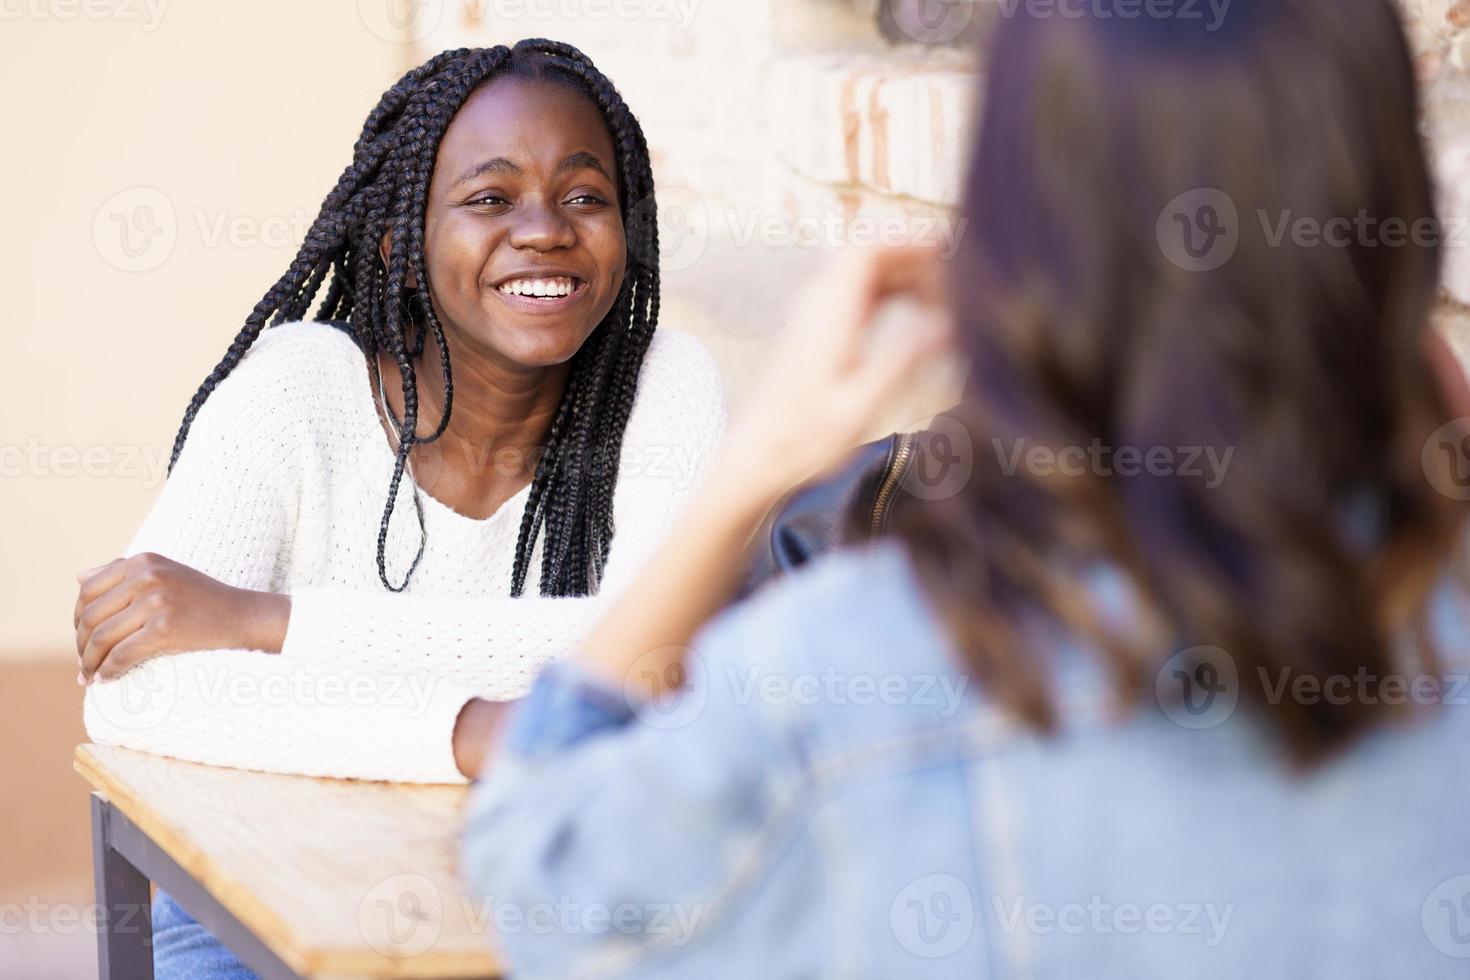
299 877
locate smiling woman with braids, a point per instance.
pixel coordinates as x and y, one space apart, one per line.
431 489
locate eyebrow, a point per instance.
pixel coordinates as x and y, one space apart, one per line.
582 160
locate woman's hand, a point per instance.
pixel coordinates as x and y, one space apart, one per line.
134 609
830 374
826 384
475 730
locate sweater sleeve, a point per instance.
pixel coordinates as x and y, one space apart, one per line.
706 777
228 509
673 432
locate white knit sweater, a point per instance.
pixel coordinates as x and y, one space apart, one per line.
281 487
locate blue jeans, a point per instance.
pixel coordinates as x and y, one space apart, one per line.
184 950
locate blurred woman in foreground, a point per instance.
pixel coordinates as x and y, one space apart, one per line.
1167 687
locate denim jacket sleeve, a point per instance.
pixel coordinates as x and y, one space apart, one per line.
605 836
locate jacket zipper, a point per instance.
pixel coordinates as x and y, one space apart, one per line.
895 473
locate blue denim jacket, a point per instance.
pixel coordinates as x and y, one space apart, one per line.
828 796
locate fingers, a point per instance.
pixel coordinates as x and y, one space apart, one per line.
891 365
127 654
916 271
876 275
108 635
859 283
94 582
101 609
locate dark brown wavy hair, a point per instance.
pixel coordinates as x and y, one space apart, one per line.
1091 321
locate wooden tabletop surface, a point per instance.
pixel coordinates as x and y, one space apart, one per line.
337 877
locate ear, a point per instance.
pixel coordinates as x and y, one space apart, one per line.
385 250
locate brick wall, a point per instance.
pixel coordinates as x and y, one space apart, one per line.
780 127
1440 33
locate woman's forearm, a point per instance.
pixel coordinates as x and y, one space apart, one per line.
267 627
689 579
241 709
826 380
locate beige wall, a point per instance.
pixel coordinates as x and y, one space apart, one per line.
231 121
220 126
217 128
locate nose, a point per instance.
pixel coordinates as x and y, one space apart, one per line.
541 227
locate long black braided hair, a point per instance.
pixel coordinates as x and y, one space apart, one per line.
384 189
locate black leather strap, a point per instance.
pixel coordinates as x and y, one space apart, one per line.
818 517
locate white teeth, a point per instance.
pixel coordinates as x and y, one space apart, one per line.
538 287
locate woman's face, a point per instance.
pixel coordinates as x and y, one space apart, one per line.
523 239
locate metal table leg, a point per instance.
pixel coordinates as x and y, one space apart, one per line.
125 926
